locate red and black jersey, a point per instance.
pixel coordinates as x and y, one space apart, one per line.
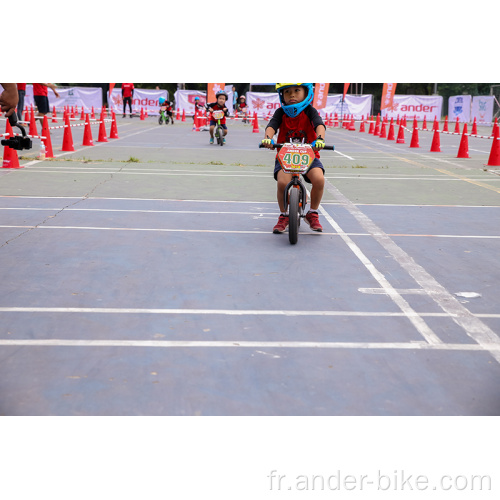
301 127
215 106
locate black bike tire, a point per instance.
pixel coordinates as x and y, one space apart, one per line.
293 215
221 136
160 120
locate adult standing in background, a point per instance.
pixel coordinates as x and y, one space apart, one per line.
21 92
41 97
235 98
127 95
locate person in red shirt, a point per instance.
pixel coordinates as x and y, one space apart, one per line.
214 106
127 94
41 97
297 120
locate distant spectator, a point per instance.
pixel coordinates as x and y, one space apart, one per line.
127 95
41 96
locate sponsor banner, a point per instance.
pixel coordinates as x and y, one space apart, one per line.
459 106
212 89
346 88
415 105
184 100
388 92
482 108
320 95
263 103
357 105
71 96
147 99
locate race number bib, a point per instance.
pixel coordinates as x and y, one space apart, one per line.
296 157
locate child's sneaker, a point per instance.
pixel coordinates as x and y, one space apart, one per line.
313 220
281 225
211 140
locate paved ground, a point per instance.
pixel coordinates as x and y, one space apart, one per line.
141 277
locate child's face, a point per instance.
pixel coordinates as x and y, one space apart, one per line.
294 95
221 100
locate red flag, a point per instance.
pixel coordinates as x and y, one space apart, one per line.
346 86
212 89
388 95
111 87
320 95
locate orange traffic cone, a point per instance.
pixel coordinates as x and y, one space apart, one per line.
436 145
113 133
390 135
352 125
401 134
183 119
463 150
92 114
383 132
424 125
494 158
10 159
377 126
32 130
474 127
68 137
47 141
362 124
445 126
457 126
87 133
142 114
54 115
414 137
178 115
102 130
255 123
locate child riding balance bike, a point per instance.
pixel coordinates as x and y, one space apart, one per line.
297 121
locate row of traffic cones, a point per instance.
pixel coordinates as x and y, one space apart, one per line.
11 160
378 128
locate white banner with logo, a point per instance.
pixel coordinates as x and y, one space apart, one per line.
415 105
459 106
482 108
262 103
71 96
147 99
357 105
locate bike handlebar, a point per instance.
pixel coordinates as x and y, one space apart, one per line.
279 145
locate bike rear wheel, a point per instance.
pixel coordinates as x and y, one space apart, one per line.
293 215
160 119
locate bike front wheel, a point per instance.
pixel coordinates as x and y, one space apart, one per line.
293 215
220 135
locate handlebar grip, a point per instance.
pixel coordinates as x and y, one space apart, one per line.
279 145
13 119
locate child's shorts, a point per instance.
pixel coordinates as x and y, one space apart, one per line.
213 122
315 164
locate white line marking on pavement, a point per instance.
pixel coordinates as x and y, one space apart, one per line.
472 325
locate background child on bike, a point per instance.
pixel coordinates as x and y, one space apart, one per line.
214 106
297 120
242 107
166 108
